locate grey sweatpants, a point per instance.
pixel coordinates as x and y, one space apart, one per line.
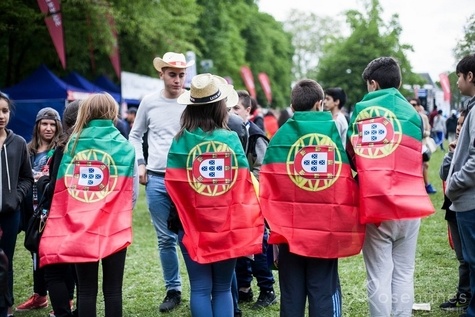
389 253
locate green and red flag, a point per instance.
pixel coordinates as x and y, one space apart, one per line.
209 181
91 212
307 192
385 145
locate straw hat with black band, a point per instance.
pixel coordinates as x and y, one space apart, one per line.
208 88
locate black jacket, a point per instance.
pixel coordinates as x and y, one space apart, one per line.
17 177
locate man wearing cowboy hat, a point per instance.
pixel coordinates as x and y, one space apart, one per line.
159 115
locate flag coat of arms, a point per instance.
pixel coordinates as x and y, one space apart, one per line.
385 144
307 192
209 181
91 212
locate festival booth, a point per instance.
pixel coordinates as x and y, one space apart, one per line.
106 84
77 80
41 89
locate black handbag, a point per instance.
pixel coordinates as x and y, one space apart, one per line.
36 225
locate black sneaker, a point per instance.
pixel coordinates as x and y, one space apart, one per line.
457 303
237 313
245 297
171 301
266 298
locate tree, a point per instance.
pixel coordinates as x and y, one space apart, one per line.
231 33
310 33
345 59
269 50
467 44
145 29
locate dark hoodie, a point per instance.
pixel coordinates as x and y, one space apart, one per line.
17 177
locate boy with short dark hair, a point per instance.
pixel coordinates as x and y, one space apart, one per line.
335 99
304 174
461 180
385 136
255 149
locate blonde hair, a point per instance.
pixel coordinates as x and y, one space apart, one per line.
96 106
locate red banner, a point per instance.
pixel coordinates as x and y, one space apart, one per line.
265 84
445 83
54 22
248 79
114 55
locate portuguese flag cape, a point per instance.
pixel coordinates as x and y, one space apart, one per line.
307 193
209 181
91 212
385 145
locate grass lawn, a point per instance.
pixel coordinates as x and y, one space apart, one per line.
435 277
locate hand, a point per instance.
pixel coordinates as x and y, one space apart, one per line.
143 174
452 146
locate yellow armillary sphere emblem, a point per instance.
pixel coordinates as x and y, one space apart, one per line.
314 162
211 168
91 176
377 133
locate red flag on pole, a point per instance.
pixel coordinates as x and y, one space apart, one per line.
445 83
54 22
246 75
265 84
114 55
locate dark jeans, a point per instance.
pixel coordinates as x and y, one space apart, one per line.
259 267
112 277
60 280
9 223
464 270
301 277
466 224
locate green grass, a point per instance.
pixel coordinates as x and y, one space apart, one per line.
143 291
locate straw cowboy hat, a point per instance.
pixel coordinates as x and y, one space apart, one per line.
206 89
173 60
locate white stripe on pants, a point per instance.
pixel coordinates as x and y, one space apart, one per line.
389 253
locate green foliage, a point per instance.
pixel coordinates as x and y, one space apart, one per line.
342 64
270 50
310 33
467 44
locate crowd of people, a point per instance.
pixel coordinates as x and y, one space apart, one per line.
210 171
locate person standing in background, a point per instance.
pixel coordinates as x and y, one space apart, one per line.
451 126
462 298
335 99
16 181
416 103
245 267
159 116
460 187
439 129
46 132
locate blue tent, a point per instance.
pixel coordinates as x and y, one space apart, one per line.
106 84
77 80
42 84
41 89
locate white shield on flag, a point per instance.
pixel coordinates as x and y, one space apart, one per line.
373 132
315 162
90 176
212 168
